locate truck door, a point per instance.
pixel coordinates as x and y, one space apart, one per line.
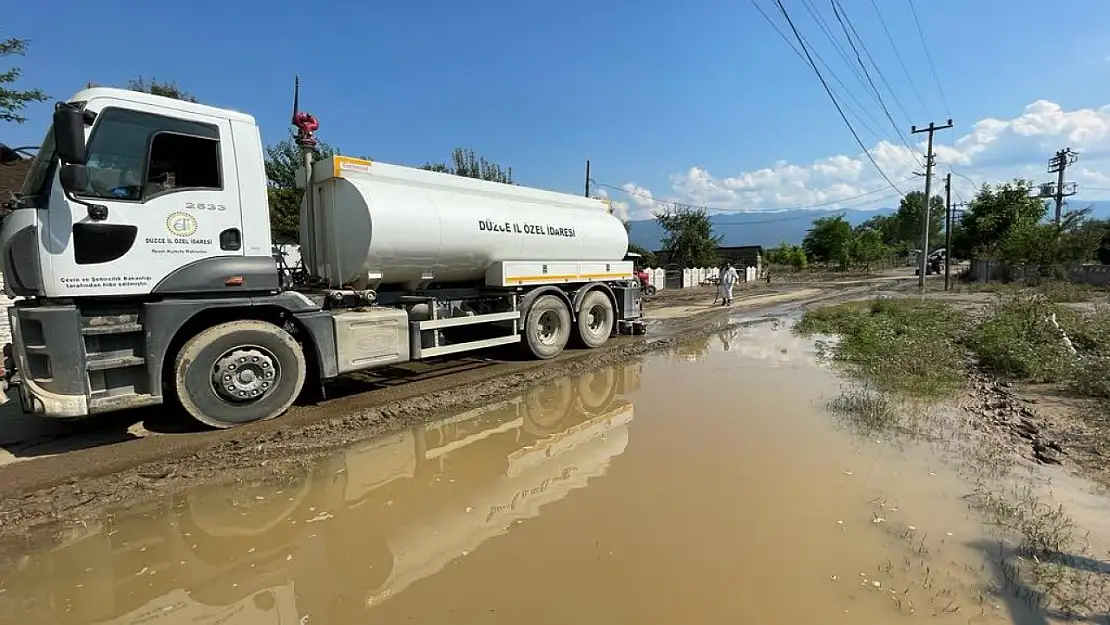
168 179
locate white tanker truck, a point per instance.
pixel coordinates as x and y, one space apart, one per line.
140 248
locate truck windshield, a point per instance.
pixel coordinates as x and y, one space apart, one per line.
36 187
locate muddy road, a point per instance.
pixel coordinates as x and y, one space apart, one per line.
53 471
703 482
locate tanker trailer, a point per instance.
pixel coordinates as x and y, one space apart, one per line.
167 287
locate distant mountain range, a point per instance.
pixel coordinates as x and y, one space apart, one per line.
769 228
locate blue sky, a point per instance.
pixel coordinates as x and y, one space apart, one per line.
698 101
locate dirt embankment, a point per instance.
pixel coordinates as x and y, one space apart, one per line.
1002 356
82 481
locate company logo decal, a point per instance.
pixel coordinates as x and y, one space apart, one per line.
181 224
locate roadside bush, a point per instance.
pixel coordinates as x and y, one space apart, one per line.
1091 379
1018 340
902 346
1060 291
1067 292
1090 333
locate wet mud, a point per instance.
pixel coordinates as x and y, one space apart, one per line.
705 481
86 474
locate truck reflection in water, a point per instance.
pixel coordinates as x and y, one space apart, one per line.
363 526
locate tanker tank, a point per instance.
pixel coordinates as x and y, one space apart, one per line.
380 224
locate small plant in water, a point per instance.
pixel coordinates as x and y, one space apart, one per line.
867 410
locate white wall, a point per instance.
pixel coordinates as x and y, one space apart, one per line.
696 277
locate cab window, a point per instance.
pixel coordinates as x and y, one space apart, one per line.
135 156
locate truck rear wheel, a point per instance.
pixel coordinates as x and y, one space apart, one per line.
239 372
547 327
595 319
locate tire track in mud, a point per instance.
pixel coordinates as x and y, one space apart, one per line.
51 491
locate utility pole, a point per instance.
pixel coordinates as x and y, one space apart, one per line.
587 177
947 230
923 256
1058 164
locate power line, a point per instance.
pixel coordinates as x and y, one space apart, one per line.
863 77
929 58
839 12
825 84
898 55
790 44
827 31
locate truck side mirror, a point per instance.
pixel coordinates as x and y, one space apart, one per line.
69 133
74 178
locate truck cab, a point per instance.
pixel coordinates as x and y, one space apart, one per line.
110 246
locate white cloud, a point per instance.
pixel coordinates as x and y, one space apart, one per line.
991 151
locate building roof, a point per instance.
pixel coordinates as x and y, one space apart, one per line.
11 178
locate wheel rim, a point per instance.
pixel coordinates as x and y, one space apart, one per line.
245 374
595 321
547 327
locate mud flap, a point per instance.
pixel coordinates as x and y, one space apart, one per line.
635 327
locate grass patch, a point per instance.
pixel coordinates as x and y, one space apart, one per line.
1067 292
867 410
903 346
1059 291
1018 339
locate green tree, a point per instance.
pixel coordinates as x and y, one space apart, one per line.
648 257
798 259
1050 245
830 241
1101 229
164 89
688 236
465 163
994 212
283 161
903 231
13 100
868 247
783 254
885 225
786 255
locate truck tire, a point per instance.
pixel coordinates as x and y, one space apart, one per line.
595 319
259 367
547 327
650 290
548 408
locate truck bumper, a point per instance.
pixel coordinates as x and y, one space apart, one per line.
44 363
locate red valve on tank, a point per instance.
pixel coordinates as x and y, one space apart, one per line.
306 125
306 122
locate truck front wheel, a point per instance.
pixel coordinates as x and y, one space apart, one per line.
547 327
238 372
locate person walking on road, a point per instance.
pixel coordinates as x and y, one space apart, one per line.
729 278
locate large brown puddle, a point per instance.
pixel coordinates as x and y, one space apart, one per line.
706 485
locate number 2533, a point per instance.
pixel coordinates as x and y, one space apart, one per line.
201 206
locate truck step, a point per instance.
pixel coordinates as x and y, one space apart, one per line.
112 360
103 402
111 328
